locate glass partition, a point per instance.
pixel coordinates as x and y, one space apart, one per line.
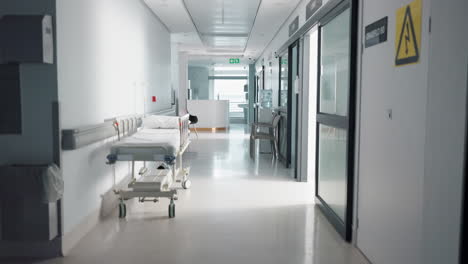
334 77
232 90
283 85
332 168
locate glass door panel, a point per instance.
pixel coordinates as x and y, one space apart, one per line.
334 127
283 85
334 77
332 168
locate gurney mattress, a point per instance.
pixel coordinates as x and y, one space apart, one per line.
149 142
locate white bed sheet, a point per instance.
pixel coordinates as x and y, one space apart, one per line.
168 139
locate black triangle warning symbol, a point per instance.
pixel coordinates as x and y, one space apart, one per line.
408 50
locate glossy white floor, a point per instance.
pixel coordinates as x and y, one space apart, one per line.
238 211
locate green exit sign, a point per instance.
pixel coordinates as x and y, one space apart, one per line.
234 61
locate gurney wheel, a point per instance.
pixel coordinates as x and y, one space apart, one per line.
122 210
171 210
186 184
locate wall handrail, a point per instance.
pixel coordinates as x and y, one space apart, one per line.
83 136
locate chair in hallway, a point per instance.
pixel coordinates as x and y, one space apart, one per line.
193 121
272 135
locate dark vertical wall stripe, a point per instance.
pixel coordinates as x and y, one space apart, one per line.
464 227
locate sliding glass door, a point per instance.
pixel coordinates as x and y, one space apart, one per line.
288 105
335 122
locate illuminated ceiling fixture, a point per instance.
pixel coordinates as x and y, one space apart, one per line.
222 12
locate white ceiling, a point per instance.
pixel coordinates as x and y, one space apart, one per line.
223 28
271 16
172 13
223 24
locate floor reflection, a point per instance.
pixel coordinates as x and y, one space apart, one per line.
238 211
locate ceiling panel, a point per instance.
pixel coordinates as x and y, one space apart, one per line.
233 28
271 16
172 13
223 24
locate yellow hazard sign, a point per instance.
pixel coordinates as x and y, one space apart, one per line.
408 34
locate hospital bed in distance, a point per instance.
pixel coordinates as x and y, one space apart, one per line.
161 141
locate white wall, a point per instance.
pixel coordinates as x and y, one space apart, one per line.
179 76
411 167
175 71
272 79
182 59
309 108
113 55
391 158
446 102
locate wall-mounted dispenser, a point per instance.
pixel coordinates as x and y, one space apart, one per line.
26 39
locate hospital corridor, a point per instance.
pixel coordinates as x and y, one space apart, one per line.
242 213
233 131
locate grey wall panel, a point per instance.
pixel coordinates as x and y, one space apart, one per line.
27 39
38 92
10 100
35 144
199 83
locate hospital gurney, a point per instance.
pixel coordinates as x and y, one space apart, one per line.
162 141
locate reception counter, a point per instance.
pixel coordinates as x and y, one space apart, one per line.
212 114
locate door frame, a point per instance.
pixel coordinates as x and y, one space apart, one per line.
464 227
291 94
258 75
254 105
464 217
345 227
306 107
